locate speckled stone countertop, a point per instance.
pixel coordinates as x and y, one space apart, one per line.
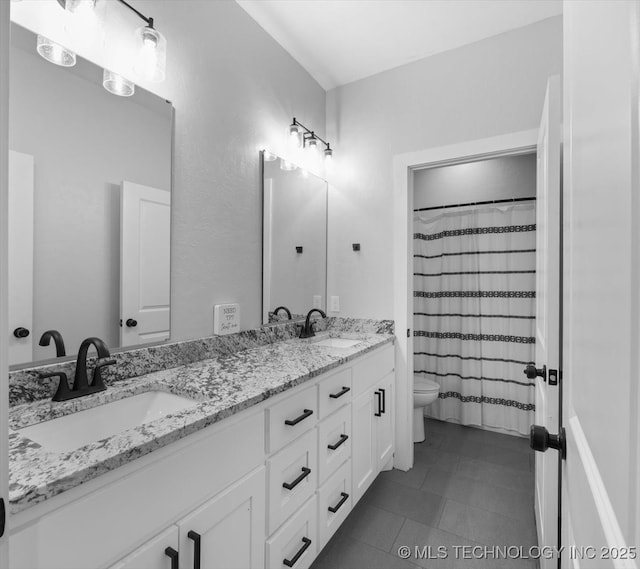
223 386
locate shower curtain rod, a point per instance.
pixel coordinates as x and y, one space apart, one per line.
508 200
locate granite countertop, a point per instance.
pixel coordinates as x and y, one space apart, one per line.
223 386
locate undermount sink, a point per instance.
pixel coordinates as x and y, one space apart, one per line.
83 427
337 342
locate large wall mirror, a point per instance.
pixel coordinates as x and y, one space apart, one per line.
89 208
294 267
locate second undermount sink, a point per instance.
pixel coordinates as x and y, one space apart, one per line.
337 342
83 427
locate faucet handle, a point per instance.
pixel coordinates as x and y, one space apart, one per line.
97 372
63 391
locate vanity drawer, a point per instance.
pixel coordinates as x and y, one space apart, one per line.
293 477
290 418
334 442
372 368
334 392
296 541
334 503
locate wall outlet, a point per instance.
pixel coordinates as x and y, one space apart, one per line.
335 304
317 301
226 319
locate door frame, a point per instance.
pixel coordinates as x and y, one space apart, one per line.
511 144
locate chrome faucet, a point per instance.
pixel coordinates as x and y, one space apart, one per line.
45 340
275 312
307 329
81 384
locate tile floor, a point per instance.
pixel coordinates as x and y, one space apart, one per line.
468 487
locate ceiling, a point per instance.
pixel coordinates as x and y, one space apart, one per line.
340 41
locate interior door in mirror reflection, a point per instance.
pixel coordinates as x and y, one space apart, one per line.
145 221
21 183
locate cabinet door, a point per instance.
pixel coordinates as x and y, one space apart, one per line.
228 531
152 553
363 450
384 423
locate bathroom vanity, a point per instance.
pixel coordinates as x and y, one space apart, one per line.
284 440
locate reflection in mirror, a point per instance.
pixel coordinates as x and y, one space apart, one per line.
89 208
294 242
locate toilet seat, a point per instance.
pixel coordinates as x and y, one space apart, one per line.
424 385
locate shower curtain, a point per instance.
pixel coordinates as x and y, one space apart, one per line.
474 312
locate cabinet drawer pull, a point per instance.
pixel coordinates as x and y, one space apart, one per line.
334 509
306 413
173 555
291 485
378 395
306 542
384 400
343 439
340 393
197 552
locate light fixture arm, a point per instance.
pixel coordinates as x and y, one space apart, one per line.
308 133
149 21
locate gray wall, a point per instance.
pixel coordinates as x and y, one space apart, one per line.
492 87
85 142
494 179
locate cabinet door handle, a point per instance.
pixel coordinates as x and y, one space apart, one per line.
197 553
173 555
343 439
340 393
378 395
306 413
384 400
334 509
291 485
306 542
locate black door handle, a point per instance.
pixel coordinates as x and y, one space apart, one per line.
343 439
173 555
340 393
306 542
21 332
531 371
384 401
197 553
378 413
306 413
131 323
334 509
291 485
540 440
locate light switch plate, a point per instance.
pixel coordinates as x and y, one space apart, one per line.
226 319
317 301
335 304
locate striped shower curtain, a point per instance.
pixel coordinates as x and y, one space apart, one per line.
474 312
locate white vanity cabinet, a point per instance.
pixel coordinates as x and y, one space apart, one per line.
266 487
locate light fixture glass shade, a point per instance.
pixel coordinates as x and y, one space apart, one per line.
117 84
312 143
55 53
328 154
151 60
81 21
286 165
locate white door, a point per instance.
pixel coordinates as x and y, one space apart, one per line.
145 221
364 447
21 171
548 313
228 532
384 423
601 284
154 553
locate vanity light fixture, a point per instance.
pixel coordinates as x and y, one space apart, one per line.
117 84
55 53
309 138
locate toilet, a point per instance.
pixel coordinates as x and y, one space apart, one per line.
425 392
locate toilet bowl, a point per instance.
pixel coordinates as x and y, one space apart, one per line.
425 392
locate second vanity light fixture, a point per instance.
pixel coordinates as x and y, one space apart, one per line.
308 138
149 63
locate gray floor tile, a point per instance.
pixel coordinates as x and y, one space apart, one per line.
423 507
348 553
372 526
429 457
491 473
413 478
496 455
486 527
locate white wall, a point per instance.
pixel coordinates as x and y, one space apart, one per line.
492 87
85 142
495 179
